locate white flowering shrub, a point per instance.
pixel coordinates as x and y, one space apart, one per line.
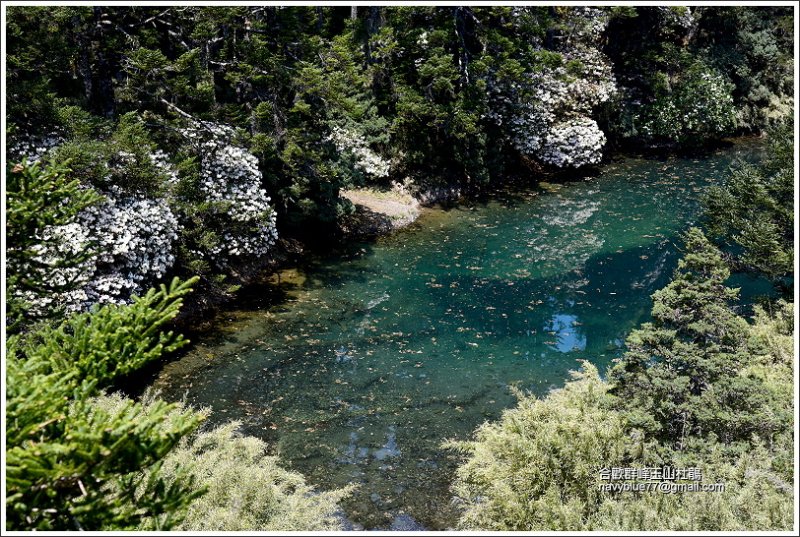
699 107
131 236
49 256
531 109
573 143
593 80
137 230
161 161
587 24
135 238
133 244
53 247
240 216
547 113
32 148
678 19
365 159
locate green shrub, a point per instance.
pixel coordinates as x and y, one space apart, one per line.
754 499
695 108
113 340
752 213
243 488
698 388
538 467
679 376
43 200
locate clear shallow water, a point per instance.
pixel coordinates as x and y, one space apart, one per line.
369 360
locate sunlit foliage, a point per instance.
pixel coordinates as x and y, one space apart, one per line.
752 213
698 388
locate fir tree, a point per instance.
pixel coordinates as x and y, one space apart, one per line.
73 462
752 213
42 200
680 376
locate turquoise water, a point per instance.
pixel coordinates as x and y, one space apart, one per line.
356 367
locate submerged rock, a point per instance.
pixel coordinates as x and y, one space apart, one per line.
343 355
346 523
404 522
390 448
353 454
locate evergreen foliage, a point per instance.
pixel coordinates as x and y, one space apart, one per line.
42 202
537 467
688 75
80 458
752 213
113 340
243 488
172 113
64 446
327 99
149 142
680 374
753 47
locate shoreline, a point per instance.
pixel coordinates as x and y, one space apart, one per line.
381 212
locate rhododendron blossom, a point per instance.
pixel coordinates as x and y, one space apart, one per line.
366 159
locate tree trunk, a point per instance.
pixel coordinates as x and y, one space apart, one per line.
84 63
462 54
320 18
93 65
102 92
374 23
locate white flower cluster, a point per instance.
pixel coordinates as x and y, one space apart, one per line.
161 160
680 17
135 236
574 143
56 244
714 110
114 288
595 84
588 24
230 178
553 106
33 148
527 110
366 159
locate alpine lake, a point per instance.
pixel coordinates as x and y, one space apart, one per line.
356 366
